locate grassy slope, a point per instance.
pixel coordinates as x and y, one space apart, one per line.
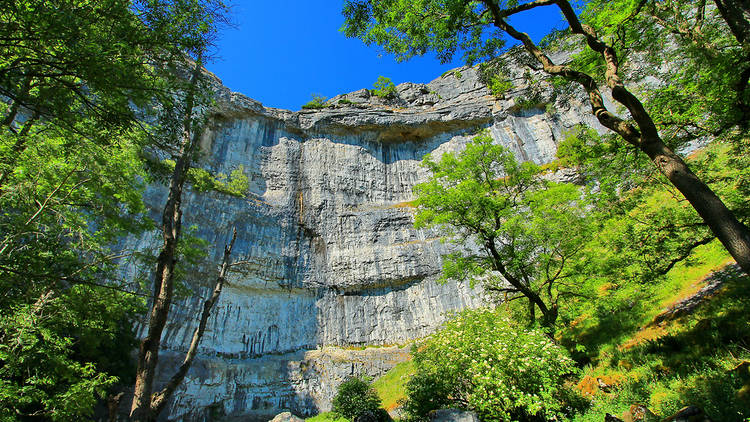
688 360
684 361
391 386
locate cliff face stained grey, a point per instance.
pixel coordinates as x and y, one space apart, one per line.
328 253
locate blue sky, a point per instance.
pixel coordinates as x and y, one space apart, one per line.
282 51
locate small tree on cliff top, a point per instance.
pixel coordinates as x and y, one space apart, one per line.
524 228
409 28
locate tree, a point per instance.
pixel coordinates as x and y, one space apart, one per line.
412 28
384 87
79 80
185 126
510 221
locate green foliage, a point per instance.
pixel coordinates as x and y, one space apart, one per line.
525 104
687 360
688 46
494 74
317 102
72 174
483 361
384 87
344 101
59 355
645 226
528 230
327 417
407 29
499 86
203 181
355 396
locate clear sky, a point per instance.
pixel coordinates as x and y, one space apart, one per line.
282 51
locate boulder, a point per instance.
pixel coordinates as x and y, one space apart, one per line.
379 415
286 417
689 414
452 415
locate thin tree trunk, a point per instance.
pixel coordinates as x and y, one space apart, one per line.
160 399
18 148
548 316
148 354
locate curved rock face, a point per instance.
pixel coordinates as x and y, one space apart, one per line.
329 255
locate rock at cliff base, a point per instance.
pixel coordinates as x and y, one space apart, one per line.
378 415
689 414
286 417
452 415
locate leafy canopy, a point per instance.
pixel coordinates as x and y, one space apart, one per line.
384 87
411 28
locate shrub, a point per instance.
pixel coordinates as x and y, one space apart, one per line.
202 180
355 397
318 101
384 87
484 362
499 85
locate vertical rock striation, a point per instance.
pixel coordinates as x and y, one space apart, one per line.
329 254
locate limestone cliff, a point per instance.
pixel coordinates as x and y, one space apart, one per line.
330 257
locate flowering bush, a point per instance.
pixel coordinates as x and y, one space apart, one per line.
482 361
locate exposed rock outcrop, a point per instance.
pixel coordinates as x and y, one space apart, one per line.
330 256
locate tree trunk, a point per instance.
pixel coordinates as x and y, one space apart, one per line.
148 354
549 315
728 229
160 399
736 13
532 311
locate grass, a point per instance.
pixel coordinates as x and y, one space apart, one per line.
327 417
685 361
391 387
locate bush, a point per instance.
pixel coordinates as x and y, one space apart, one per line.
355 397
482 361
384 87
499 85
318 101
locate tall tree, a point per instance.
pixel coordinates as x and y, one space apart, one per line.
510 222
186 126
411 28
78 80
